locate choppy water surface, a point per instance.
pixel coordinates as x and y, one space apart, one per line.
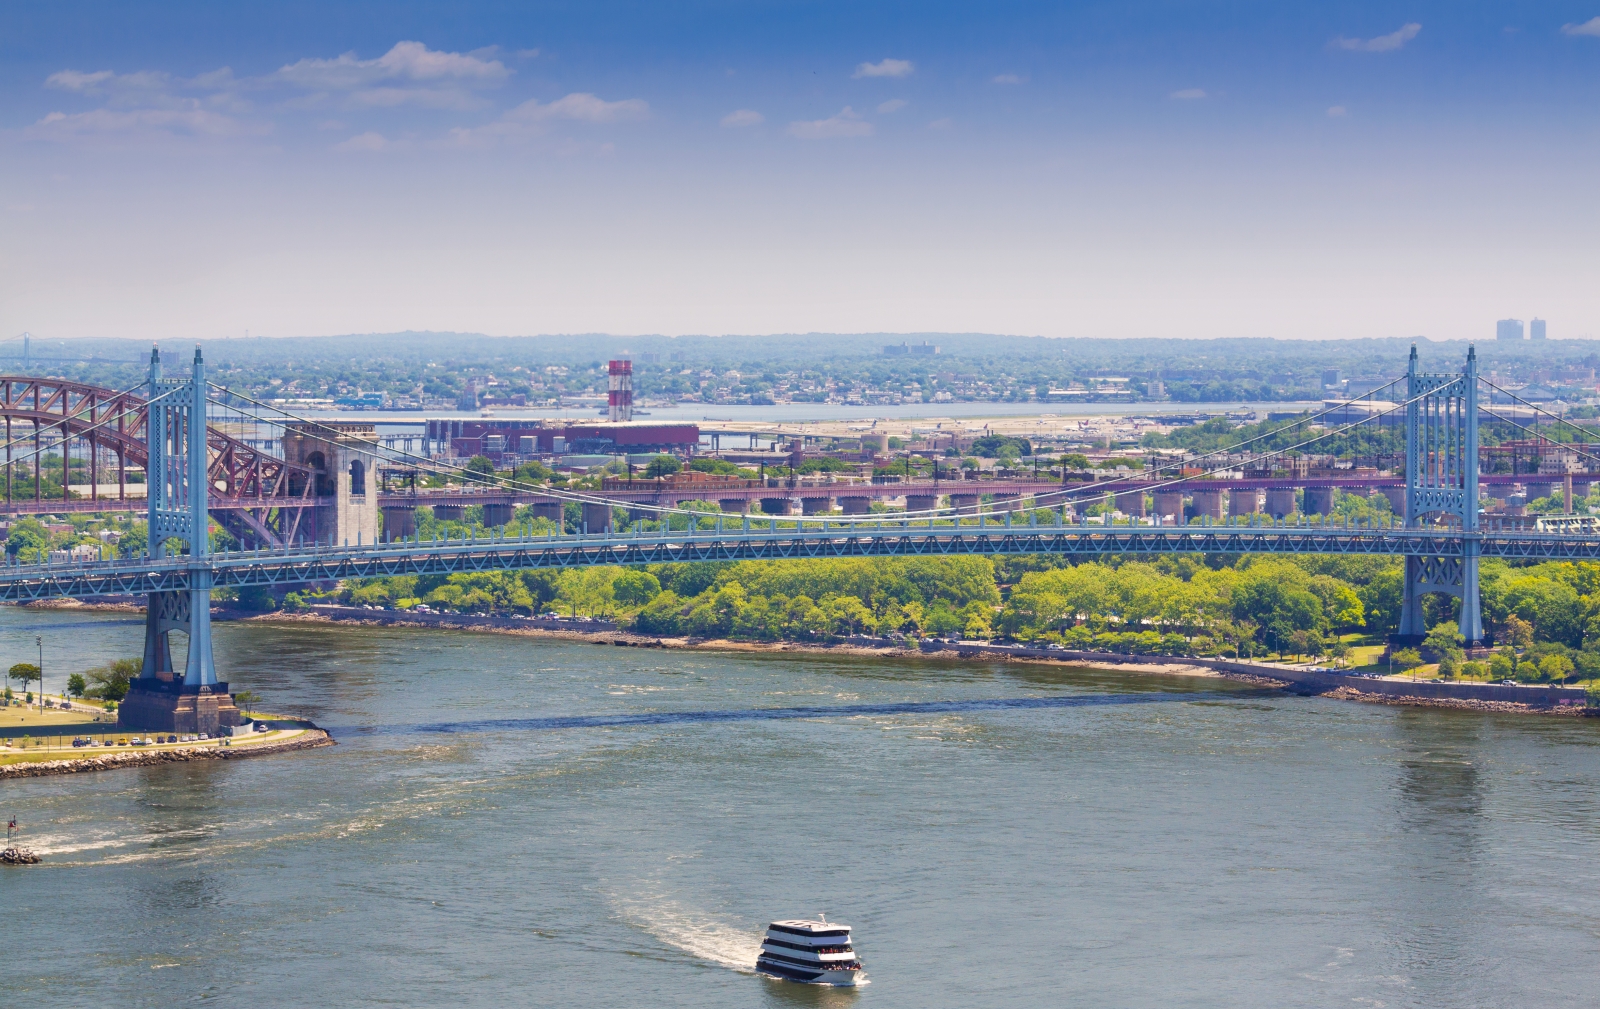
512 821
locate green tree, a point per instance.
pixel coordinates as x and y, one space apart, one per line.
662 615
480 464
246 699
1407 659
28 539
25 673
1555 668
635 588
1445 640
111 681
662 465
76 684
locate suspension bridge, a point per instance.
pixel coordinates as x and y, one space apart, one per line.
310 515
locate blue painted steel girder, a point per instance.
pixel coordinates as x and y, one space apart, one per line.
130 577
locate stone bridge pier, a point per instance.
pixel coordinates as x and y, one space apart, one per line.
1208 502
1169 505
399 522
812 505
1319 500
1131 503
1244 502
775 505
921 502
855 505
733 505
1280 502
342 456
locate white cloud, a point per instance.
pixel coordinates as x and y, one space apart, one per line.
368 142
892 105
941 124
140 124
77 80
885 68
527 54
1188 94
1337 112
743 117
1007 79
1383 43
846 124
407 61
580 107
1589 27
427 98
530 118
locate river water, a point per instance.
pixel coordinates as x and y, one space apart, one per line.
499 826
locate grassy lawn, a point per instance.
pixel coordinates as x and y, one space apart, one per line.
17 719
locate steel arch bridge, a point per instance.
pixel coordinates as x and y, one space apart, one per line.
193 470
254 495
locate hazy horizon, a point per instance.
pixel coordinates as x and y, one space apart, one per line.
1157 170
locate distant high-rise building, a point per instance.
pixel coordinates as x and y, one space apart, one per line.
1331 377
1508 329
1536 329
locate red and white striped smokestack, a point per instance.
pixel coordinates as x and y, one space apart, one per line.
619 397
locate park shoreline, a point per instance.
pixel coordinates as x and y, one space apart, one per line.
310 739
1509 700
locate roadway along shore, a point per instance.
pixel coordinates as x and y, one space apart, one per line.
1299 679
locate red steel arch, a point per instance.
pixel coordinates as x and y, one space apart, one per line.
254 495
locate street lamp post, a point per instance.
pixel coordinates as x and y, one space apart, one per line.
38 639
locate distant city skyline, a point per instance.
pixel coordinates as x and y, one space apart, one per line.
171 170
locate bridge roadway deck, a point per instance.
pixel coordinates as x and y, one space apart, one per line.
669 495
137 576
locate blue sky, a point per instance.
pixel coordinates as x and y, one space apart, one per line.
1107 169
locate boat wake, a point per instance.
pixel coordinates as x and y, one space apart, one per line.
695 932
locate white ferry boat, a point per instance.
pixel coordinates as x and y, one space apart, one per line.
811 952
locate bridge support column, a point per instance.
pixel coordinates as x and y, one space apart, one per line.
179 508
1244 501
1280 502
1319 500
775 505
815 505
448 513
855 505
921 502
1397 499
1131 503
733 505
544 508
343 456
965 502
1442 410
498 514
399 523
597 518
1169 505
1208 502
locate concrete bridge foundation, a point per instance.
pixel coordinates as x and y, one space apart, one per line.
399 523
1319 500
1131 503
448 513
1208 502
921 502
815 505
1244 502
733 505
775 505
1169 505
597 518
855 505
498 514
1280 502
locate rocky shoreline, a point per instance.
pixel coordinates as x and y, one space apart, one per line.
313 739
